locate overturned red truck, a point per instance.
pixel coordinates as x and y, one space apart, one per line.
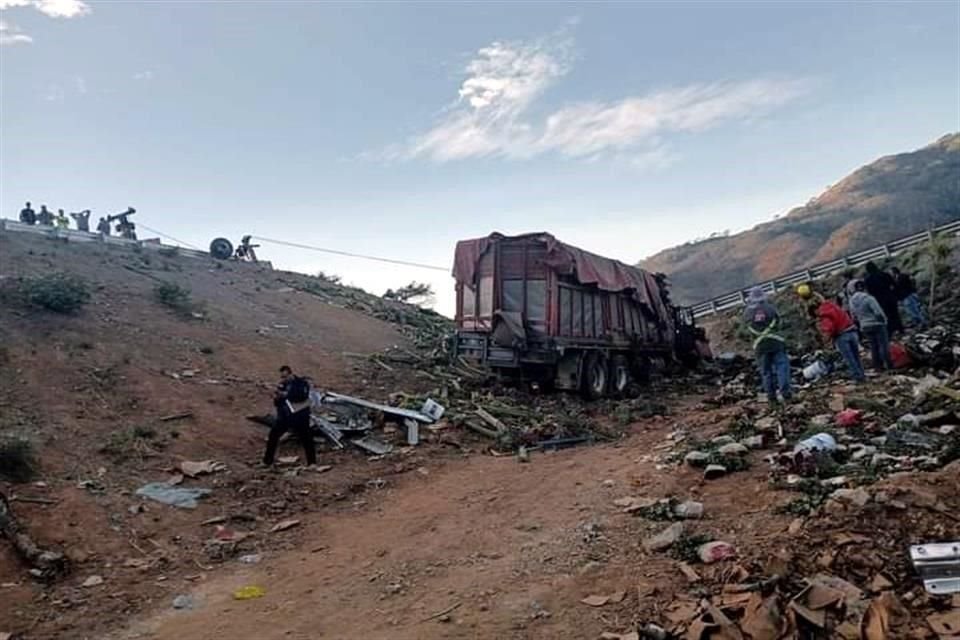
533 307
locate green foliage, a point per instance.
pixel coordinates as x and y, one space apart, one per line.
57 292
331 278
418 293
686 548
730 463
17 461
742 427
660 510
173 296
814 495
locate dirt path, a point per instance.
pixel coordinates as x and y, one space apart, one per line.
515 546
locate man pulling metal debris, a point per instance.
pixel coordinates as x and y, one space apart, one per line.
292 400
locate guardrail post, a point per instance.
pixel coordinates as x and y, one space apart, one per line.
808 274
930 235
743 297
713 306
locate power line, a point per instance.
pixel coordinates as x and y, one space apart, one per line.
353 255
168 237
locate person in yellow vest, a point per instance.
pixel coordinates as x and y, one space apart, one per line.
63 222
763 322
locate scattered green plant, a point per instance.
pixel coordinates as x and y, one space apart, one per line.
58 292
686 548
173 296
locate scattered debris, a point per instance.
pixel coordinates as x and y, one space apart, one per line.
92 581
180 497
193 469
665 539
249 593
716 551
183 601
283 525
938 565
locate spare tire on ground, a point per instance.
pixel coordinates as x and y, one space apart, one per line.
221 249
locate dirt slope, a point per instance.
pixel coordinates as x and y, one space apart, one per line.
891 197
88 391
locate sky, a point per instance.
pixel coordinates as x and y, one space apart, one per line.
395 129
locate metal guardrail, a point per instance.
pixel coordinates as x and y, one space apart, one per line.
738 298
71 235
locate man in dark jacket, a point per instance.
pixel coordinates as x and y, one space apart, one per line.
28 215
293 414
906 290
881 286
763 322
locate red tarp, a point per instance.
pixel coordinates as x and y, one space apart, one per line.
564 259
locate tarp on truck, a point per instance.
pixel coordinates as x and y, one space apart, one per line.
564 259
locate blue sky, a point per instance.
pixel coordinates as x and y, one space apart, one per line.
396 129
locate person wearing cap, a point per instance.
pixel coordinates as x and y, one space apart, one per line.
873 325
837 326
763 322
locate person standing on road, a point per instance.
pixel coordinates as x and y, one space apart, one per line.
292 400
873 326
763 322
906 291
103 227
28 215
63 222
881 286
837 326
45 217
82 218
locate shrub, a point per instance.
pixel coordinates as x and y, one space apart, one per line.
57 292
17 462
173 296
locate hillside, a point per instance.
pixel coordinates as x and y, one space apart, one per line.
453 538
891 197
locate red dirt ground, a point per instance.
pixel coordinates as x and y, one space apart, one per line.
383 545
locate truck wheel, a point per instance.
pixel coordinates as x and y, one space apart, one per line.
221 249
619 376
593 381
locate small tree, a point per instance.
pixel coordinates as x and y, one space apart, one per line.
57 292
173 296
416 293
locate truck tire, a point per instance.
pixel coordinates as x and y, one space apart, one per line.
595 377
221 249
620 378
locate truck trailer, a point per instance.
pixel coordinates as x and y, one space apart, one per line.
532 307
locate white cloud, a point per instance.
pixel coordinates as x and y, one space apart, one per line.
494 115
143 75
52 8
10 34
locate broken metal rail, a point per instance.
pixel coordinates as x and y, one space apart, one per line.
738 298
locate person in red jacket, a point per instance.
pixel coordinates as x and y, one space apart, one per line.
838 327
